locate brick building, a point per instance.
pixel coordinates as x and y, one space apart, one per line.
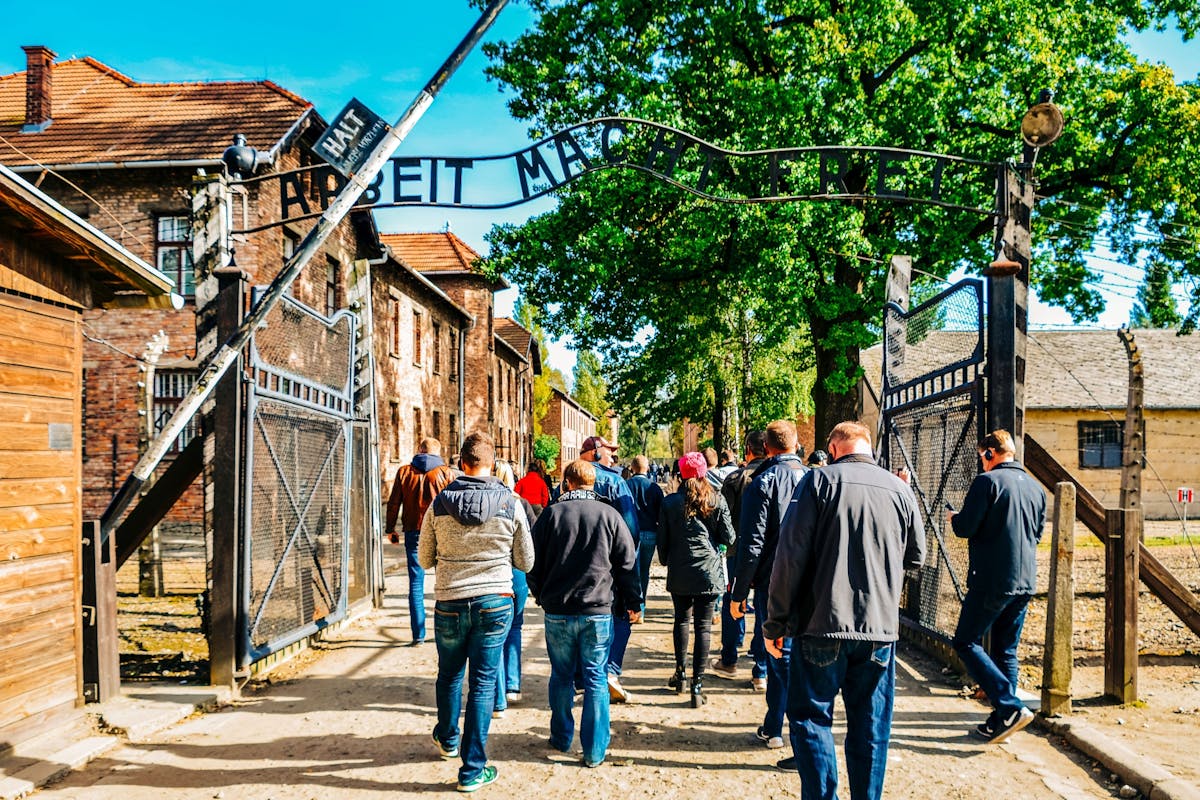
568 422
53 266
499 357
418 363
122 154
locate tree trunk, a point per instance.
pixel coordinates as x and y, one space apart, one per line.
718 420
834 357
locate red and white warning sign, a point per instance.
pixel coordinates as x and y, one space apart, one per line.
1185 494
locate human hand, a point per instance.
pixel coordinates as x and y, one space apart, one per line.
904 475
393 537
635 617
737 610
774 647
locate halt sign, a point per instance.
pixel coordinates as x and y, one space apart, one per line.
1185 494
348 141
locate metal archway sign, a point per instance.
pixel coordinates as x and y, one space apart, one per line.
837 173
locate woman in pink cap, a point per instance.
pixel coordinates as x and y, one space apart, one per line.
694 531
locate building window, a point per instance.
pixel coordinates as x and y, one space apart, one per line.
394 326
173 252
1100 444
395 417
491 397
452 433
454 334
437 425
418 435
170 386
437 348
332 298
417 337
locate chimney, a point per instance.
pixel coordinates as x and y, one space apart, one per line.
39 79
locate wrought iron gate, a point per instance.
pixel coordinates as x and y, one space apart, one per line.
295 554
933 404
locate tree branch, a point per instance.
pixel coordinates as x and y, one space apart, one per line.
872 82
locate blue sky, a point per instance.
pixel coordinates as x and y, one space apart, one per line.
382 53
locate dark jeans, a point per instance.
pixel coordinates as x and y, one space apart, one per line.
620 640
758 648
692 609
733 631
509 679
865 674
469 632
579 643
646 543
995 669
416 587
777 672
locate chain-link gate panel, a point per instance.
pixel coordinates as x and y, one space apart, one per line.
932 414
297 513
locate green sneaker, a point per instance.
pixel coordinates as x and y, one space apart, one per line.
488 775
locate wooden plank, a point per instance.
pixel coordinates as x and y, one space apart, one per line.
167 489
38 382
36 325
55 352
51 622
54 464
29 518
1158 579
34 307
30 544
23 408
36 665
39 491
31 437
59 694
30 572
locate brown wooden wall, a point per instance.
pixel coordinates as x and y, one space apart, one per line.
40 633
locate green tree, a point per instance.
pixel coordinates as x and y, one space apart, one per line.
529 316
588 386
625 252
546 448
1155 306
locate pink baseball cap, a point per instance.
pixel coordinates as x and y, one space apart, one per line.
692 465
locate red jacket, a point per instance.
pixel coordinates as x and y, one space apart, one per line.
533 488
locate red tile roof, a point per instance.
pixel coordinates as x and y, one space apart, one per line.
432 252
520 339
102 116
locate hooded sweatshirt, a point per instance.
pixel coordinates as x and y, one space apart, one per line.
415 486
475 533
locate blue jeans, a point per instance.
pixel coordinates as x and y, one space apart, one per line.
509 679
776 670
579 642
647 540
733 631
469 631
416 587
865 674
996 669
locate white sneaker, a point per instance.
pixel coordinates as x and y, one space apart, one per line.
512 697
499 713
616 692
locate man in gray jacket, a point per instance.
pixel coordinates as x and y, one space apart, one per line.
851 530
474 534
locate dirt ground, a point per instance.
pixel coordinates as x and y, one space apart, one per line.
352 719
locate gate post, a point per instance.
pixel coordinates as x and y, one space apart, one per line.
1057 663
101 652
223 489
1008 300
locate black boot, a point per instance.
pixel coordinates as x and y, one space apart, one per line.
677 681
698 698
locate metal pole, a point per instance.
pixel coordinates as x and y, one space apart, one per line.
329 220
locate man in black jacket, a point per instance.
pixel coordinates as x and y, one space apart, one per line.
763 505
850 532
1001 519
733 631
584 571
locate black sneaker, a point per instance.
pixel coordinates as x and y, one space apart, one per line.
787 764
1015 721
984 730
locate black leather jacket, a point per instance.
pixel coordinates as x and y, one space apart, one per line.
688 546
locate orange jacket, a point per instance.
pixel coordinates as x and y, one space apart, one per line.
415 489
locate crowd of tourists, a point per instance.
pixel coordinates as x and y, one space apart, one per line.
814 551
